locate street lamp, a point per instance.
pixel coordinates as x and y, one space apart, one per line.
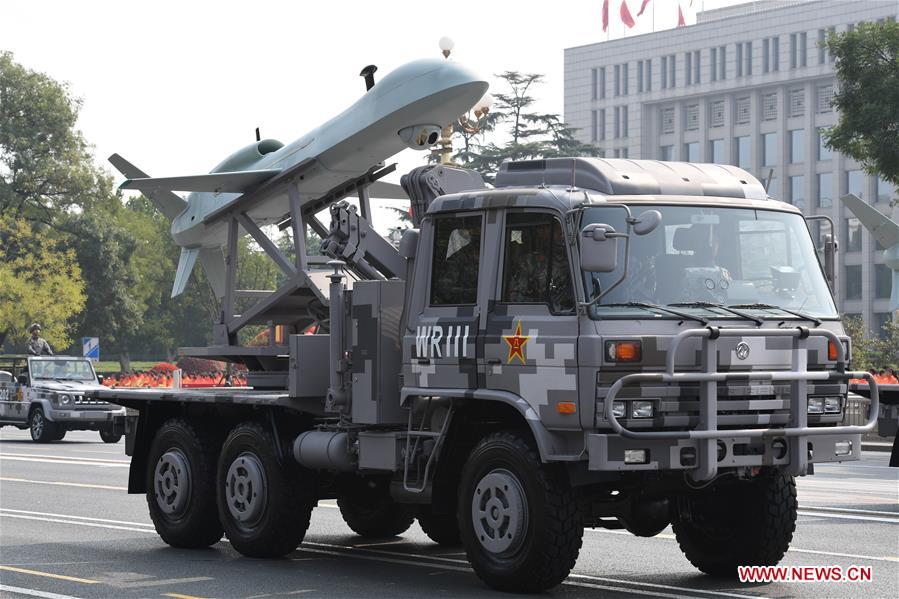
471 126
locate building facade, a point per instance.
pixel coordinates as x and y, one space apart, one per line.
749 85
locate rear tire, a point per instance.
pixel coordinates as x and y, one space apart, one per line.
743 524
110 437
181 485
379 519
42 430
518 517
264 505
443 529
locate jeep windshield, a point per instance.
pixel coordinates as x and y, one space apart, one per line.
713 262
62 370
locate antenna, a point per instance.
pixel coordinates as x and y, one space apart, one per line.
258 138
369 74
768 181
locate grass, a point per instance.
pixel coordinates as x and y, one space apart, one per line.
112 366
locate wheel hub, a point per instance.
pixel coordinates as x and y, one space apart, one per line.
171 481
245 489
499 512
37 424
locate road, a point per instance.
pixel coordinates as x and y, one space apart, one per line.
69 529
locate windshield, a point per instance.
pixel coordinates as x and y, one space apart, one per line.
70 370
758 260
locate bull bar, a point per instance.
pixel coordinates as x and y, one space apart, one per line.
707 434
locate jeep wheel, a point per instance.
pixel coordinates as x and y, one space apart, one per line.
60 434
42 430
443 529
518 517
741 524
181 485
380 518
110 437
264 505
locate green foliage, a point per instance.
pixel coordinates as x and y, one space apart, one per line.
867 64
39 282
529 134
873 350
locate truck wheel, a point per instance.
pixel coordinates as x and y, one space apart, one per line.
743 524
518 517
379 519
42 430
110 437
181 485
443 529
264 505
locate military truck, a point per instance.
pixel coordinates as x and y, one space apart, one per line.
51 395
589 342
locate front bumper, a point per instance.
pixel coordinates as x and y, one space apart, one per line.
85 417
704 449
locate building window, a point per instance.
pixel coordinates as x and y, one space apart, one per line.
692 117
765 55
747 55
775 53
716 151
639 76
770 187
713 63
691 151
853 235
797 102
672 70
688 67
824 153
883 281
824 98
624 79
722 63
602 83
696 66
664 72
855 183
793 50
880 320
769 149
666 153
825 190
853 284
593 126
803 48
822 51
769 107
885 191
797 191
739 61
617 86
797 146
593 86
617 117
742 111
602 124
624 119
667 120
716 113
624 152
743 151
648 75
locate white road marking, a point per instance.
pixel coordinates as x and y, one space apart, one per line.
64 458
61 483
33 592
89 519
841 510
108 464
847 517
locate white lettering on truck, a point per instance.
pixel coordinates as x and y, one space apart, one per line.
455 340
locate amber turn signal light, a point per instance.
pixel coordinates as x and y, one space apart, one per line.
566 407
832 351
624 351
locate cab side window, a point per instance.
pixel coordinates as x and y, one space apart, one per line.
457 255
535 267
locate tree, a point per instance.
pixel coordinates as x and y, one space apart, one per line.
45 166
867 65
39 282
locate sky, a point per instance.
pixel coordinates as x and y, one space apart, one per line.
176 86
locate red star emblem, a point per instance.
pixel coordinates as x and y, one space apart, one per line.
516 344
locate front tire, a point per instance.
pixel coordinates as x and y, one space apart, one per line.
264 505
518 517
379 519
181 485
42 430
742 524
443 529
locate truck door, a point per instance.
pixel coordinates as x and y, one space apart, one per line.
530 343
442 339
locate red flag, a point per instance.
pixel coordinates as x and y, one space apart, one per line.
643 7
605 15
680 16
626 17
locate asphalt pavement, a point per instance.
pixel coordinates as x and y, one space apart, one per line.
69 529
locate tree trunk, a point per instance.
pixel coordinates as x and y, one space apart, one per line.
125 361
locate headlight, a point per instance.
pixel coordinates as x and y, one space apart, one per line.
815 405
618 409
832 405
641 409
63 400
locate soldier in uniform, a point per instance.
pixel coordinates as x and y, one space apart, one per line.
37 345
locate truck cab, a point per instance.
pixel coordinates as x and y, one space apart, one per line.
50 395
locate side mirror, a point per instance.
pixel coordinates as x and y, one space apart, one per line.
409 244
599 248
830 250
100 378
22 379
647 222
